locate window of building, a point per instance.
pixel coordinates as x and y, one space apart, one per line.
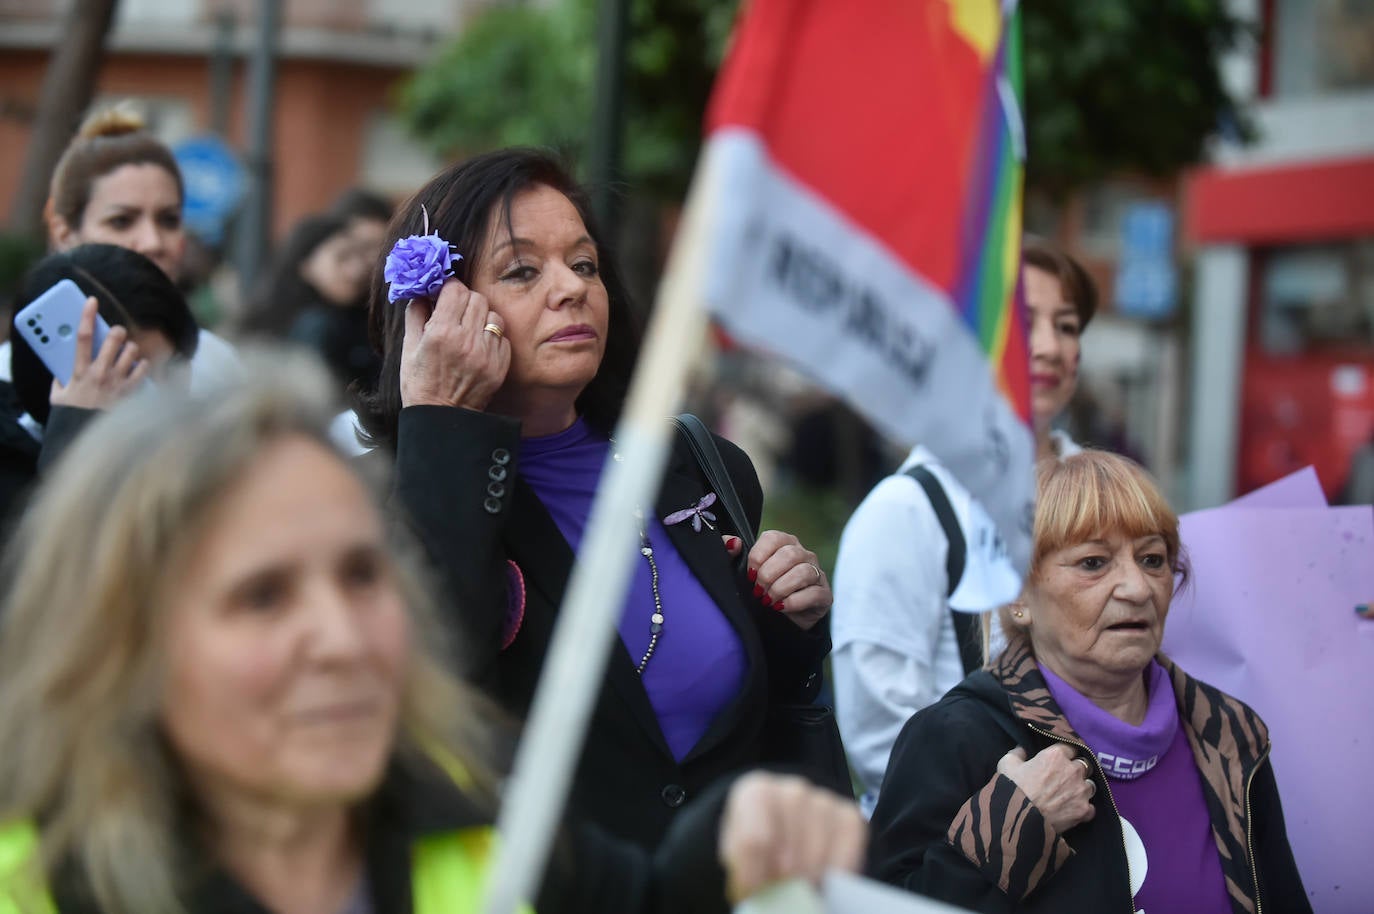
1317 296
440 16
144 12
169 118
393 162
1323 46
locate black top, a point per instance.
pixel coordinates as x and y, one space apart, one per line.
23 459
18 457
458 481
339 337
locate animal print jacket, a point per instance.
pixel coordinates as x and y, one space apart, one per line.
950 827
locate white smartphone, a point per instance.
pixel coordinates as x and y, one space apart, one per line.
49 322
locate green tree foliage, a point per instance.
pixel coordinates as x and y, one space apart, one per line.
525 74
1117 86
1111 85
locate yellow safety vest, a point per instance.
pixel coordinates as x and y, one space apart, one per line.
448 871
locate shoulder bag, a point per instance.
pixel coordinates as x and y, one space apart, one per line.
804 737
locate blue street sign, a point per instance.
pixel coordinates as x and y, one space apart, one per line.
1146 279
215 183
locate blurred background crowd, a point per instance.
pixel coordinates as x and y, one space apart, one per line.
1220 189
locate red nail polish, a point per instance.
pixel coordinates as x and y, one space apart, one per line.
778 606
731 543
758 591
767 601
753 573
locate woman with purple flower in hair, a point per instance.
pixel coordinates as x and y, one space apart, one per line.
508 344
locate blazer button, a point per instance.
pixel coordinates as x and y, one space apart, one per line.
500 456
493 505
673 796
496 489
497 474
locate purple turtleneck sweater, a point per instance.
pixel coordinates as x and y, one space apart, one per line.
698 666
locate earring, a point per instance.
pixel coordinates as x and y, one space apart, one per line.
1017 613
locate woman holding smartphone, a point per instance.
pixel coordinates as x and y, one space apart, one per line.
151 330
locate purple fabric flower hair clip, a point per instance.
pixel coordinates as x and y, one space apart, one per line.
418 265
696 512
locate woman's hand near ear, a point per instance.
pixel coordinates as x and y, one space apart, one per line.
448 358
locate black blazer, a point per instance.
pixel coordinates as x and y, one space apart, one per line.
458 483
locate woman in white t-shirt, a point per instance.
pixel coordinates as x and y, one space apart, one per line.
895 649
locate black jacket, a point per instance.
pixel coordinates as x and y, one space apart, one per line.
949 826
589 872
18 458
339 337
24 460
458 481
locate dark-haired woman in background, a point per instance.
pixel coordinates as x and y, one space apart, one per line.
499 398
367 215
896 647
314 295
1061 299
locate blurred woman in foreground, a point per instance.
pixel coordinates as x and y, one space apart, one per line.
223 691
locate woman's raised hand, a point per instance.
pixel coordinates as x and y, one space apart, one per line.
777 828
787 577
114 373
1057 781
455 352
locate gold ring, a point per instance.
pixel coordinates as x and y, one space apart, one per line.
494 331
1086 767
817 569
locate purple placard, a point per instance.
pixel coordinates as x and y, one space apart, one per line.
1296 490
1269 618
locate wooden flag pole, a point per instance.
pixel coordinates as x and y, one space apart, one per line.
575 666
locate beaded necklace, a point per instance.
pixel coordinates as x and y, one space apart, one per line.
646 549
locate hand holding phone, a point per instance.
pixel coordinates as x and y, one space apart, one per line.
114 373
64 329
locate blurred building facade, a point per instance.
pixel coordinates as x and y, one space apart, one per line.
1282 236
1263 362
339 64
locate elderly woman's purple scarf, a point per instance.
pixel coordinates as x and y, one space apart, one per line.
1125 752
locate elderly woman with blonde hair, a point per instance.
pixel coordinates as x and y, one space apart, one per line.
1083 771
222 691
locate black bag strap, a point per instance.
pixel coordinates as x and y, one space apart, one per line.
967 632
707 455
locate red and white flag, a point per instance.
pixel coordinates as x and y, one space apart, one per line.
864 182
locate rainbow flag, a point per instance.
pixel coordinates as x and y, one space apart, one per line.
989 288
863 175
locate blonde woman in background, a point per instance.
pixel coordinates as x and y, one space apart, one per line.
118 184
223 690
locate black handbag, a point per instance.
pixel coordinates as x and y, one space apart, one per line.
800 737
